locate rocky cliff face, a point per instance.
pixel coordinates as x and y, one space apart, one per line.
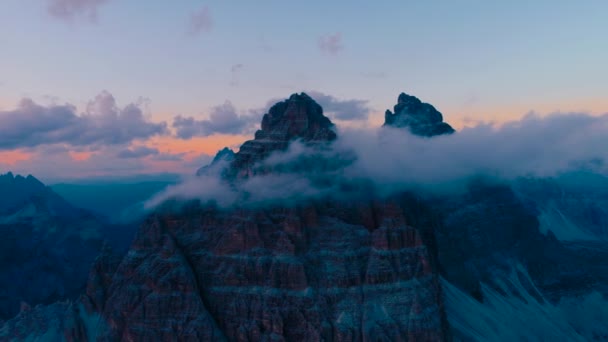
420 118
318 272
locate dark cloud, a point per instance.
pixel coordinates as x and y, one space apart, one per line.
391 160
223 119
200 21
331 43
72 9
342 109
103 123
137 152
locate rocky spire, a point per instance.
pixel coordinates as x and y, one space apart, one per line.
420 118
298 117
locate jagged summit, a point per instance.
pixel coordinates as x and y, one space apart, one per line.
419 117
298 117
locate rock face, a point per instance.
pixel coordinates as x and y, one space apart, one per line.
320 272
324 270
495 262
420 118
60 321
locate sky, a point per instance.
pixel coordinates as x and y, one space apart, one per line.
92 88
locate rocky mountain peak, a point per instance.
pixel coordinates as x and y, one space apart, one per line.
298 117
419 117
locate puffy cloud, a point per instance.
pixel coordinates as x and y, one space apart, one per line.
331 43
342 109
103 123
200 21
137 152
71 9
223 119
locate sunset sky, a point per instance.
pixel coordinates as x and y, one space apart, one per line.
122 87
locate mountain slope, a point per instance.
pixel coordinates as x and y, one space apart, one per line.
47 245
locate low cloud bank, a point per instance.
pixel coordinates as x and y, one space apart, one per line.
386 160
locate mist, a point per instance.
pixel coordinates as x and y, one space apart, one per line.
387 160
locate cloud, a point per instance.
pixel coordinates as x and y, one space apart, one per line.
102 123
388 160
200 21
234 71
331 43
51 164
71 9
173 157
342 109
223 119
137 152
533 146
58 163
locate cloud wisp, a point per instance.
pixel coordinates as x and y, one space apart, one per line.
352 109
102 123
201 21
234 73
137 152
70 10
388 160
331 43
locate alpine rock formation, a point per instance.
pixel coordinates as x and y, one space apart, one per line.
418 117
496 261
318 270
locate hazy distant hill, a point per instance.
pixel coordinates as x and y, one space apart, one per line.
119 200
47 245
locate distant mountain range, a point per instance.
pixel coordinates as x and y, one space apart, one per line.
495 261
119 201
47 245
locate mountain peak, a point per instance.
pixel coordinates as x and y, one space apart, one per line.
298 117
419 117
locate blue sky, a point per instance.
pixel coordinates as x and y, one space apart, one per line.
479 60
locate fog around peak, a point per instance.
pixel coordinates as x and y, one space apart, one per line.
384 160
